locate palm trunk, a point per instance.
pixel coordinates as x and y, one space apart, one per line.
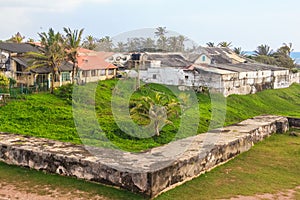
52 83
75 69
156 127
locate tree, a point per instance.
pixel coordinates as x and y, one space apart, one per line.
156 109
224 44
148 43
282 56
52 55
4 82
172 44
238 51
162 39
121 47
181 40
263 50
90 42
160 32
73 43
210 44
17 38
105 44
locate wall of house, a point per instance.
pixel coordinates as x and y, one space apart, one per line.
281 79
203 59
163 75
98 75
294 78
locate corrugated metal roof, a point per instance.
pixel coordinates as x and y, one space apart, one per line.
18 47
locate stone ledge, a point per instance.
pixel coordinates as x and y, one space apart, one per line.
151 172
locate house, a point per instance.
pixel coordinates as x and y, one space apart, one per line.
13 63
94 66
16 66
243 78
163 68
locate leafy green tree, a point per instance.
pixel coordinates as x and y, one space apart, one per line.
73 43
157 109
53 54
4 82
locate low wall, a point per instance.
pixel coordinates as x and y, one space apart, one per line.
150 172
294 122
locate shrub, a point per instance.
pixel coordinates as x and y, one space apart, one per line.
65 92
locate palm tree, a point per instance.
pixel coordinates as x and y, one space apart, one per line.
156 109
286 49
52 55
238 51
172 44
263 50
121 47
148 43
181 40
105 44
90 42
17 38
210 44
160 32
162 39
224 44
73 42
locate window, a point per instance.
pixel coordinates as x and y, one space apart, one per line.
111 72
102 72
84 73
65 76
186 77
203 58
154 76
94 73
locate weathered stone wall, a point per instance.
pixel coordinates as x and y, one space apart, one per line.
294 122
150 172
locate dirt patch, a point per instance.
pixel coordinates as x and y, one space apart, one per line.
11 192
282 195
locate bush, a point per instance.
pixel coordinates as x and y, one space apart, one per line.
65 92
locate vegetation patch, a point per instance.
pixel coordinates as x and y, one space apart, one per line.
51 115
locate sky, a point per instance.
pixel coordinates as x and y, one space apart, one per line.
247 24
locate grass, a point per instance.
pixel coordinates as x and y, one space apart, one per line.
32 181
269 167
51 116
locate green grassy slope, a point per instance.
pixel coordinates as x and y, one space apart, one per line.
46 115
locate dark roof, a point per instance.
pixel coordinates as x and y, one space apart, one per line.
64 67
247 67
169 60
22 61
18 47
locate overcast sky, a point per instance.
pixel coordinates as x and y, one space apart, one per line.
246 24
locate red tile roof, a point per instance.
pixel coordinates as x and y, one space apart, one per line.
91 60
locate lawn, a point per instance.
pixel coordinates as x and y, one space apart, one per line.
51 116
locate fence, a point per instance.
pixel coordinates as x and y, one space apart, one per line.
15 92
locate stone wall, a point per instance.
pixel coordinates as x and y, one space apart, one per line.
150 172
